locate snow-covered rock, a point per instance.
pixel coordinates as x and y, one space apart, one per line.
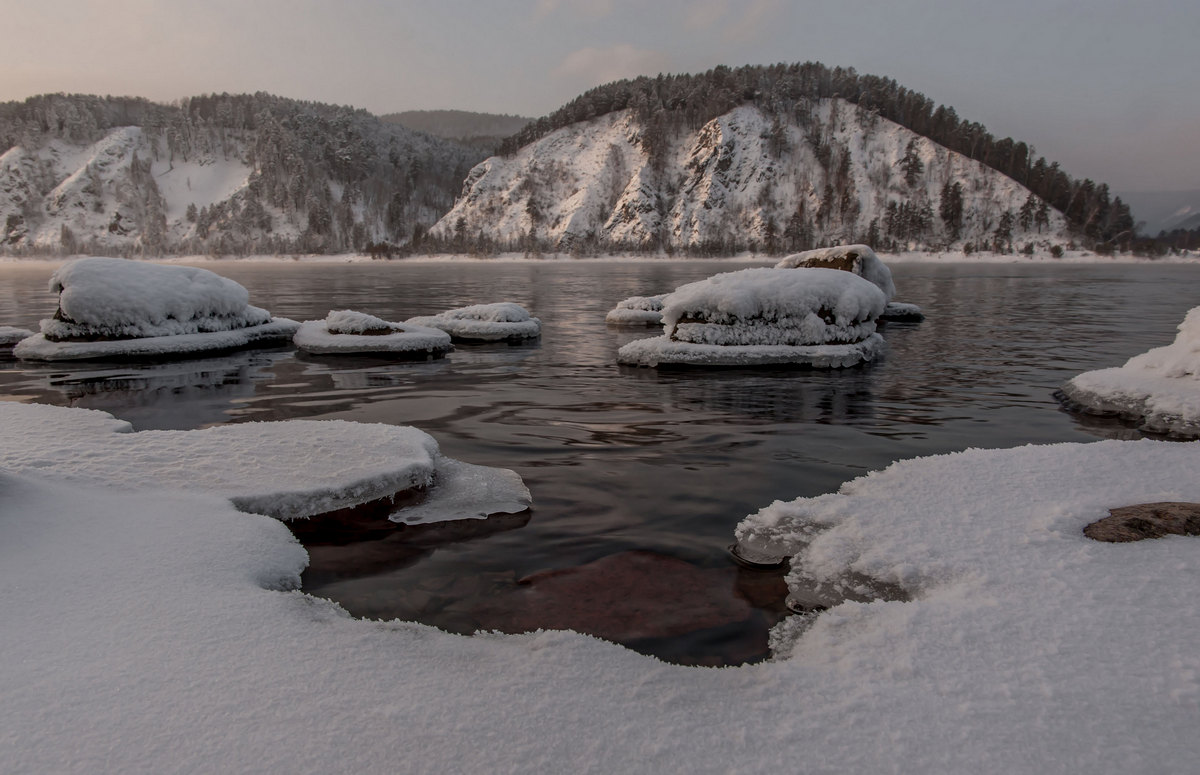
819 317
348 331
858 259
484 322
637 311
287 470
862 261
10 335
1159 389
110 307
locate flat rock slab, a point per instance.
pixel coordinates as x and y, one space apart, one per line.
1146 520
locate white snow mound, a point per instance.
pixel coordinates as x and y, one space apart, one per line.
1159 388
484 322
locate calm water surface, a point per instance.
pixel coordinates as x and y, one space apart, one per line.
645 472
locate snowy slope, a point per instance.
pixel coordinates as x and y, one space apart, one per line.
743 180
222 174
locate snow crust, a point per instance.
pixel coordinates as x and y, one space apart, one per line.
346 331
484 322
147 631
637 311
859 259
1159 388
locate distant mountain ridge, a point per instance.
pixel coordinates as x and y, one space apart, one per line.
223 174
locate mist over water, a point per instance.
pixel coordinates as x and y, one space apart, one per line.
638 476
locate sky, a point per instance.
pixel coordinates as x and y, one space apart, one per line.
1106 88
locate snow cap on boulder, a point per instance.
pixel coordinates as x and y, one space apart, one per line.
859 259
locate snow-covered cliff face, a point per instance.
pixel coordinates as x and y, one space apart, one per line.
745 180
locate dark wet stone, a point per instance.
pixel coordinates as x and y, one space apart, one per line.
1146 520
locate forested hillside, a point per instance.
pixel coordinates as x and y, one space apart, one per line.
223 174
666 106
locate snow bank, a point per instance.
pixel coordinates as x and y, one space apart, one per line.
110 307
637 311
858 259
764 316
347 331
147 632
1159 388
287 470
484 322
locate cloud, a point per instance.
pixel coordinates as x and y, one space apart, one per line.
595 66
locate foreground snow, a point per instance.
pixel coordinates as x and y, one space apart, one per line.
146 631
112 307
288 470
347 331
10 335
1160 389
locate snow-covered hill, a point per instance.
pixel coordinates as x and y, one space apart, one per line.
222 174
833 173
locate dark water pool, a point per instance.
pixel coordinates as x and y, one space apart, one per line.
638 477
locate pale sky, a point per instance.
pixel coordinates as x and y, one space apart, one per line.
1106 88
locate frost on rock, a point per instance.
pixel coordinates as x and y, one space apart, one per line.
637 311
484 322
10 335
112 307
288 470
347 331
1160 389
818 317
